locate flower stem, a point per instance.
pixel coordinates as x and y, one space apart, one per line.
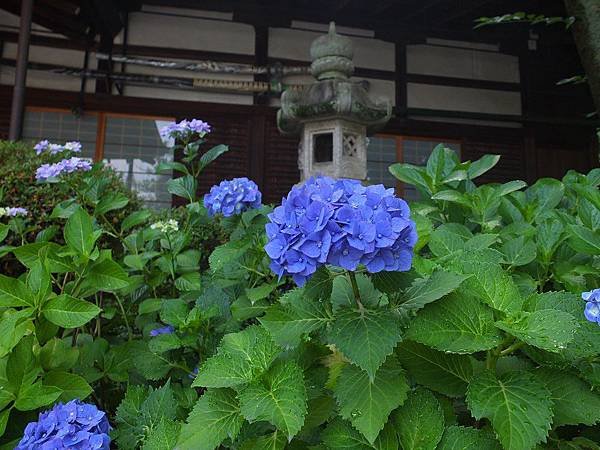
354 284
129 333
507 351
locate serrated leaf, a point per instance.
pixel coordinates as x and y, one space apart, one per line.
14 292
517 404
367 404
159 404
72 385
548 329
107 275
136 218
574 400
184 186
420 421
319 285
519 251
584 240
163 436
490 284
164 343
448 238
215 418
427 290
458 323
365 337
339 435
69 312
34 396
288 323
445 373
274 441
241 358
279 398
129 411
586 340
342 294
467 438
79 232
259 292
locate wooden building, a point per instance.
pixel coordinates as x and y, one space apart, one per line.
486 90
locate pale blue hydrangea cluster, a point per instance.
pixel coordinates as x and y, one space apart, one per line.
74 425
53 149
167 329
341 223
13 211
592 305
231 197
185 130
66 166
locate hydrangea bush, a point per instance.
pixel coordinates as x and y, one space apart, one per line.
340 319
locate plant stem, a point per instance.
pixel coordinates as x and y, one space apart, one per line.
129 333
354 284
508 350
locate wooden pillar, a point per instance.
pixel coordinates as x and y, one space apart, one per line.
261 58
104 85
401 79
18 97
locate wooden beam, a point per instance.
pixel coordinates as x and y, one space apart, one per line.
462 82
401 78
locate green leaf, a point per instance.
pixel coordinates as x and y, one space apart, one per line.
3 231
13 326
215 418
185 187
342 293
212 155
453 196
34 396
72 385
584 240
491 284
517 404
58 354
440 163
279 398
174 312
448 238
548 329
420 421
365 337
339 435
241 358
107 275
482 165
163 436
519 251
319 285
273 441
574 400
243 309
445 373
130 427
69 312
79 232
466 438
259 292
428 290
169 166
288 323
110 202
136 218
411 174
14 293
458 323
367 404
509 187
586 340
164 343
160 404
4 415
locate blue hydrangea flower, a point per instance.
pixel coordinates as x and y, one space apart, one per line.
69 165
342 223
41 146
167 329
74 425
13 211
185 130
53 149
232 197
592 305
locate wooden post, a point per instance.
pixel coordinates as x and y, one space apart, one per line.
18 97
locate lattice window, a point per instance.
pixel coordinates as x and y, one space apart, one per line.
350 145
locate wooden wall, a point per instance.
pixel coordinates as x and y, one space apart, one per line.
260 152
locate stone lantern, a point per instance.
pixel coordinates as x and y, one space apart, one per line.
332 115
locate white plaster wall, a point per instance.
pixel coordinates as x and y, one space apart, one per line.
47 80
295 44
191 33
462 63
463 99
10 22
